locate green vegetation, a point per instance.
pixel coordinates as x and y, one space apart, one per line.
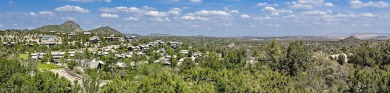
17 79
224 65
24 56
48 66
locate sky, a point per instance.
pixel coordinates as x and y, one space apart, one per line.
204 17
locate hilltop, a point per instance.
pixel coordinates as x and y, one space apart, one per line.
106 31
68 26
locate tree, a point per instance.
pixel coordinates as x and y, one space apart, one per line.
341 59
187 64
298 58
274 54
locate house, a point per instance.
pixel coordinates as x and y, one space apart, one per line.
197 54
111 38
94 39
55 55
175 44
121 65
133 48
47 40
144 47
9 44
72 35
87 33
184 51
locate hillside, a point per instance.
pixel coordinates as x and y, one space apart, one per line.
106 31
68 26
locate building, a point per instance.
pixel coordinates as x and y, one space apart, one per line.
9 44
87 33
47 40
94 39
55 55
184 51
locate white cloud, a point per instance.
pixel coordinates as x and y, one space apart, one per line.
196 1
314 13
1 25
367 15
275 12
314 2
328 4
308 4
300 6
107 0
119 9
175 11
106 15
159 19
187 17
212 13
156 13
68 8
244 16
48 13
360 4
131 18
234 11
68 18
32 13
266 4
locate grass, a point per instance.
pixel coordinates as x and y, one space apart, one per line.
48 66
23 56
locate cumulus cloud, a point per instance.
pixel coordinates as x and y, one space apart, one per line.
244 16
196 1
175 11
308 4
328 4
119 9
131 18
276 12
68 8
360 4
234 11
308 13
156 13
212 13
266 4
187 17
48 13
300 6
367 15
107 15
314 2
32 13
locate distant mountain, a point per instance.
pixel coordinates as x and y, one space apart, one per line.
350 39
106 31
362 36
127 34
376 36
68 26
159 34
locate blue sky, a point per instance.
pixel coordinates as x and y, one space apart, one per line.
204 17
